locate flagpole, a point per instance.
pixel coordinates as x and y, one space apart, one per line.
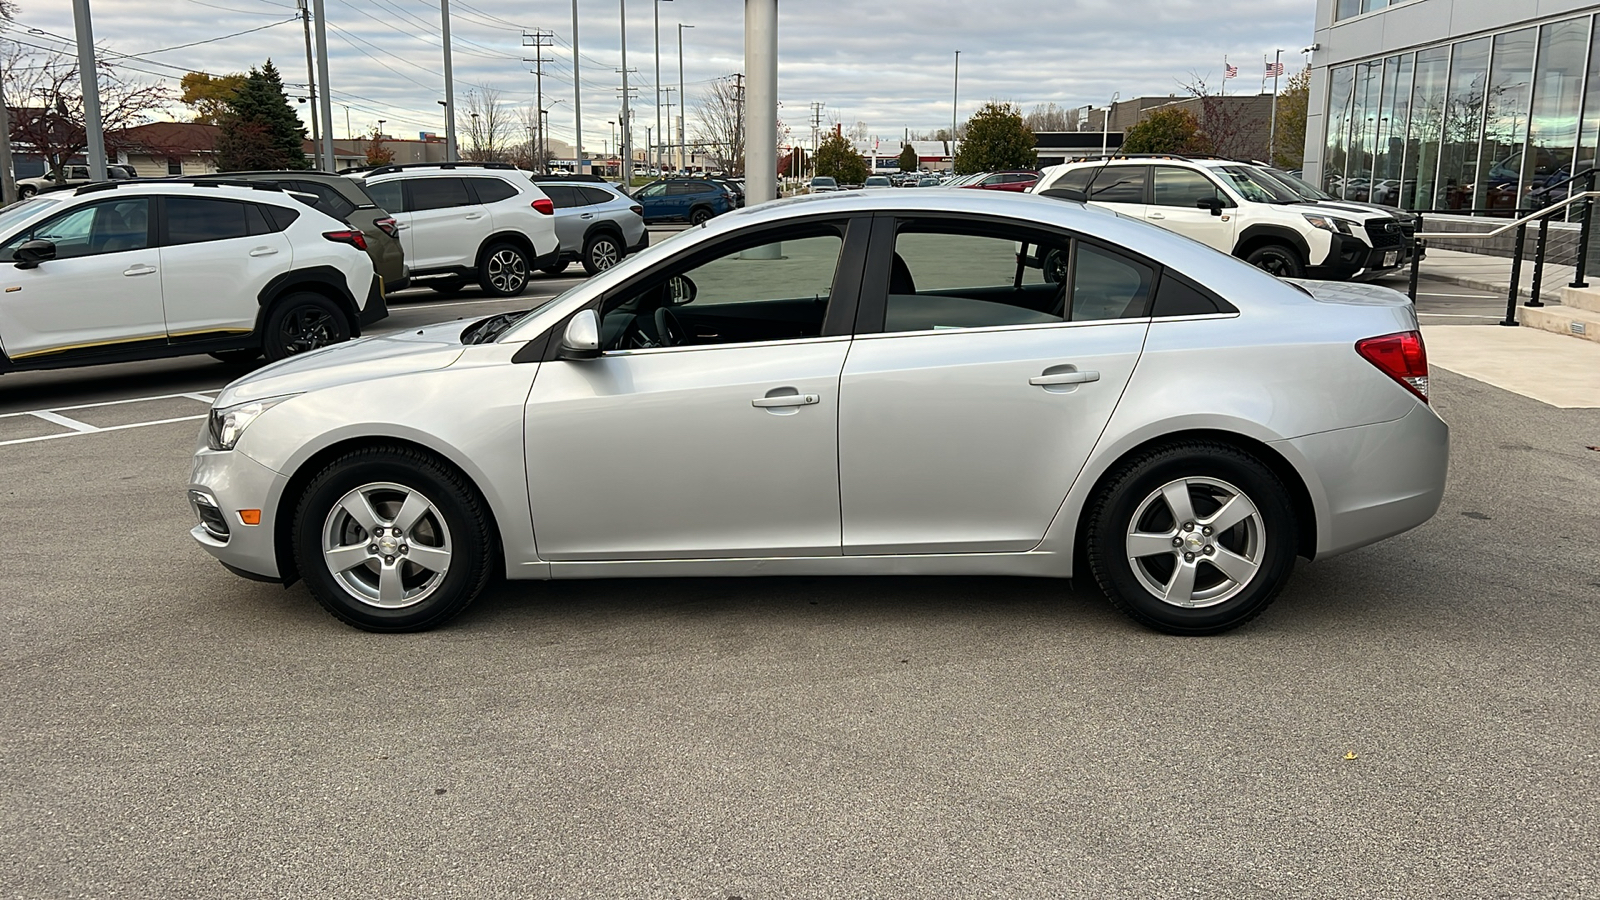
1272 130
1224 74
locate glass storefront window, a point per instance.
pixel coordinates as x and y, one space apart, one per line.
1363 126
1346 8
1505 119
1553 121
1393 117
1427 128
1463 125
1338 119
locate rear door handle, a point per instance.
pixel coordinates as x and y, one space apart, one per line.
263 251
401 227
587 216
139 269
1156 216
471 216
1047 379
786 400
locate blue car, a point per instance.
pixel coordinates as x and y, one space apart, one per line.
689 200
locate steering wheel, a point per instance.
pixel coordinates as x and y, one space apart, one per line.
669 328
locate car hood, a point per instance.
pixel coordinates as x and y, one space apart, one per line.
418 350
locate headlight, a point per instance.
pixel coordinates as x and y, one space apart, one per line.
226 425
1328 223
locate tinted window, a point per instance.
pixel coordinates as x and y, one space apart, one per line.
281 217
388 195
1177 296
595 195
492 190
1182 187
1074 180
1107 285
563 196
947 276
652 190
438 193
328 200
191 220
255 221
108 227
679 188
1119 184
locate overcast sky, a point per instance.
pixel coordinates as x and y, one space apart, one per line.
889 64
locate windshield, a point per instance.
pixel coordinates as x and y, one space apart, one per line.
16 212
1257 186
1303 188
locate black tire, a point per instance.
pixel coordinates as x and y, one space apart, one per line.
700 215
1206 474
454 528
302 322
1054 266
26 191
1277 259
237 357
555 268
446 287
503 271
601 252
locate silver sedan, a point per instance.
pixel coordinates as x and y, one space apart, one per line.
934 382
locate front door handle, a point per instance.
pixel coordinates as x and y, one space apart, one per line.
471 216
1156 216
139 269
264 251
786 400
587 216
401 227
1069 377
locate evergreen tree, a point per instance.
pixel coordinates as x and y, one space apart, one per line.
996 139
908 159
260 129
1167 129
837 158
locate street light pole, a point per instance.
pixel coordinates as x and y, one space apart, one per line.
657 6
324 100
761 116
577 101
627 120
450 149
311 89
683 106
955 94
1105 123
94 135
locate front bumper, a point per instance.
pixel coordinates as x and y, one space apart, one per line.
1375 481
227 482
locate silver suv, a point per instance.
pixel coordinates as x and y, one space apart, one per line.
597 224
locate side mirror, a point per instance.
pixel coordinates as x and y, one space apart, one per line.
31 253
1212 203
581 340
681 291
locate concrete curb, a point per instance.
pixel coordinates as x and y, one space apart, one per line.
1547 292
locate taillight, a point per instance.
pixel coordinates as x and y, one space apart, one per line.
1401 357
636 210
543 205
349 236
388 226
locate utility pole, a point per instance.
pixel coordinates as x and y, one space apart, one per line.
627 118
8 176
326 108
449 87
683 136
955 94
311 90
539 40
87 71
659 132
1272 129
816 126
666 136
761 120
738 94
577 102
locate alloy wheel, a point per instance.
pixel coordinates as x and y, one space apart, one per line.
1196 542
307 328
603 255
386 545
508 271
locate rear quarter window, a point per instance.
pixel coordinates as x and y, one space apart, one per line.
491 190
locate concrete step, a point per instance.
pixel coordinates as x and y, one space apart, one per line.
1568 320
1582 298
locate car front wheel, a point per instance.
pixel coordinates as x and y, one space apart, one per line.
1192 539
1276 259
601 253
504 271
303 322
700 216
26 191
388 539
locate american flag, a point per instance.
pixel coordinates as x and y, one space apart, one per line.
1274 69
1230 71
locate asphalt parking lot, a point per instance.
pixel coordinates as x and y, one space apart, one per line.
1415 719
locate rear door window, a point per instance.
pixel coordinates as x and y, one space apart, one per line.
194 220
1182 187
388 195
1119 184
437 193
1108 285
562 196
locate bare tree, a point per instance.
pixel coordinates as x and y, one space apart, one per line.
45 94
1232 130
491 126
533 149
719 125
1050 117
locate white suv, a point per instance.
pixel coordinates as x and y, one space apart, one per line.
460 222
130 270
1237 209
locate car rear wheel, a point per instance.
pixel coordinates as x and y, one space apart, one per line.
1192 539
504 271
601 253
1276 259
700 216
303 322
389 539
26 191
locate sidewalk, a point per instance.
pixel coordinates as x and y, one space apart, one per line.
1551 368
1493 273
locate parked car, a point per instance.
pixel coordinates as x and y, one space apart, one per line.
1238 209
735 189
344 199
597 224
1016 182
877 181
823 184
893 396
130 270
1409 222
964 180
467 222
70 176
692 200
927 181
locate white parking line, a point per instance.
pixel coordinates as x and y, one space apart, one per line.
77 429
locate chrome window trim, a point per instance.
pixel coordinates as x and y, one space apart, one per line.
987 329
644 351
1216 315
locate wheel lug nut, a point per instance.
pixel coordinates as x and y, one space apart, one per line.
1206 530
389 560
1177 542
372 548
1188 557
1188 526
404 548
1210 549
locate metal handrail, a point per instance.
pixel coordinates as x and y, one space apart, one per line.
1536 214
